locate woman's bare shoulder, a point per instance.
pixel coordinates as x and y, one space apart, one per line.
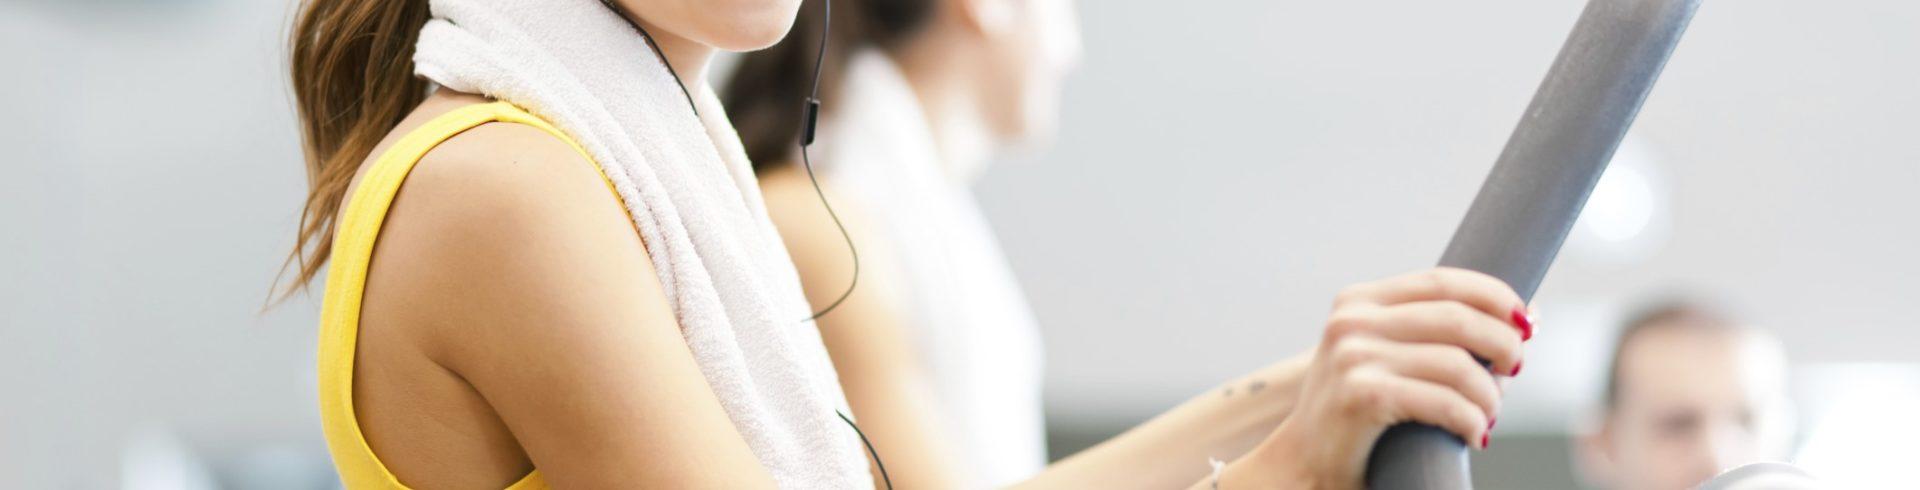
501 220
518 271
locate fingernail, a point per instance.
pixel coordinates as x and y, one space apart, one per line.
1522 322
1486 438
1516 368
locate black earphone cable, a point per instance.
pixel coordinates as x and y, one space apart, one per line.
811 117
870 450
808 124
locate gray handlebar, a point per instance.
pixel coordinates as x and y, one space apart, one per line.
1538 187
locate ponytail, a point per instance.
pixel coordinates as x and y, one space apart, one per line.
352 66
767 95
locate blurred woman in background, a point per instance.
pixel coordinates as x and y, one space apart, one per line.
551 266
936 348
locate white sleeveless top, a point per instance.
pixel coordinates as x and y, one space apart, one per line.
965 311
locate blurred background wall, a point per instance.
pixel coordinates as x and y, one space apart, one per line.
1222 169
152 181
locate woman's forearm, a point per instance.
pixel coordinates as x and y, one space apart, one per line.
1172 450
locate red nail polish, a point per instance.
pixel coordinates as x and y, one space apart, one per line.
1486 437
1523 323
1516 368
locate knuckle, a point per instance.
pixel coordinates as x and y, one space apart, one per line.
1462 362
1440 281
1467 415
1464 274
1495 286
1347 322
1363 391
1510 347
1460 320
1462 312
1349 354
1463 366
1448 323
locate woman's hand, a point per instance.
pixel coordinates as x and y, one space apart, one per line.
1407 348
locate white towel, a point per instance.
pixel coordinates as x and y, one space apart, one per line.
690 191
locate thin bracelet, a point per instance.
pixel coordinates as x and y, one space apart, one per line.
1218 465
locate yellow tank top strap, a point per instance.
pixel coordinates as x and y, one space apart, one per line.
357 230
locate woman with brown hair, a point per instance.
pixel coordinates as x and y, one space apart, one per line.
551 266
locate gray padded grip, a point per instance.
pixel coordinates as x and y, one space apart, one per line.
1537 188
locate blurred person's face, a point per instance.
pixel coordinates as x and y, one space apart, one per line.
1032 44
1693 402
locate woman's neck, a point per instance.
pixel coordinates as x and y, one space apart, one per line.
952 106
687 58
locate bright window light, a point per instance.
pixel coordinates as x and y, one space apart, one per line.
1622 205
1626 218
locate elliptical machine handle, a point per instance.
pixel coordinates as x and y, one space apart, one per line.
1538 187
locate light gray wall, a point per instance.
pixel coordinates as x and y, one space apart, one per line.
1223 168
152 178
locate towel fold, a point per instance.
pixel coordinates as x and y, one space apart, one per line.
687 185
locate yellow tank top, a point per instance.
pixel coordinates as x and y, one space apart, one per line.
353 243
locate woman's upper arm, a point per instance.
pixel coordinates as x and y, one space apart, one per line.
548 305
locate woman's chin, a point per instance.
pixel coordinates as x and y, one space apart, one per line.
743 41
758 25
